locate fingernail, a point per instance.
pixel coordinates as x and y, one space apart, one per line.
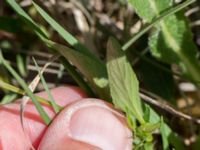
100 127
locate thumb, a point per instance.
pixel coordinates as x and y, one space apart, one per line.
89 124
12 136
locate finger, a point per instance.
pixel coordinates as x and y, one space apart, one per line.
11 133
89 124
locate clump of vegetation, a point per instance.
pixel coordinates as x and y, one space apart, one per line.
140 55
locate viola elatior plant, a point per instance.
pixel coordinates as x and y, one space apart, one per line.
114 81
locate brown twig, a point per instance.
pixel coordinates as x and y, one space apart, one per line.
164 106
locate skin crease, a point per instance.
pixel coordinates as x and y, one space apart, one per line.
86 124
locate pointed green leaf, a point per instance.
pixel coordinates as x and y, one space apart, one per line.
93 70
77 77
169 137
124 86
164 133
149 127
149 146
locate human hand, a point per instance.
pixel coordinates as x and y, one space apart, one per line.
84 124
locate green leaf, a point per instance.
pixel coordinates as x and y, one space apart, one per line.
149 146
149 9
152 117
169 137
172 39
124 86
77 76
88 64
149 127
94 71
164 133
156 21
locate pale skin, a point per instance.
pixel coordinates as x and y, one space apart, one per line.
84 123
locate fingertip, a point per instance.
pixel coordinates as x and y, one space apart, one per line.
91 122
33 123
65 95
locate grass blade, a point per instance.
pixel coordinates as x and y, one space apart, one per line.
32 86
65 34
26 18
44 38
52 101
16 90
41 111
12 88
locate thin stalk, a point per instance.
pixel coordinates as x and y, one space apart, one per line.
52 101
21 92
